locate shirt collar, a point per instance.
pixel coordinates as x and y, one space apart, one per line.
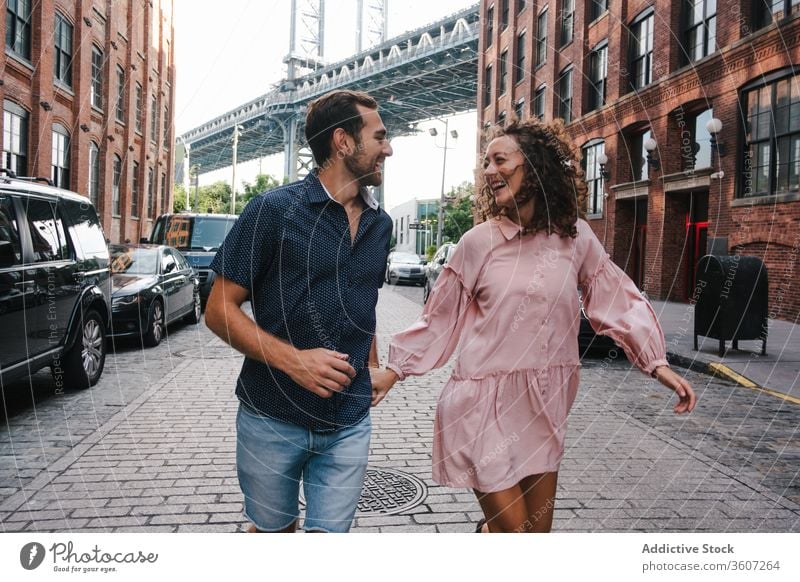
508 227
321 193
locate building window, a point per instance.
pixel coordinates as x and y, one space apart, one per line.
772 138
165 142
62 57
541 38
97 78
501 89
18 27
15 138
489 26
641 49
567 21
135 191
139 108
120 94
519 108
60 167
700 21
565 96
153 119
151 186
164 193
501 119
769 11
594 179
639 168
521 5
702 139
597 9
519 68
487 86
115 210
598 71
94 173
539 101
503 14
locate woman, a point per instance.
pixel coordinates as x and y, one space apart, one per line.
508 298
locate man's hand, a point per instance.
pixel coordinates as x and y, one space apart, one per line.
382 382
682 388
320 371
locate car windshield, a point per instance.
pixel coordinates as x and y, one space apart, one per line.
406 258
134 261
208 233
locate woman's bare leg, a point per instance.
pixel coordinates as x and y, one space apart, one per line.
527 507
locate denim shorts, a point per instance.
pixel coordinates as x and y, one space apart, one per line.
272 457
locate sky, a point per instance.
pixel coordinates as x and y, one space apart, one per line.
227 54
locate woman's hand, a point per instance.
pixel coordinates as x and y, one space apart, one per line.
382 381
682 388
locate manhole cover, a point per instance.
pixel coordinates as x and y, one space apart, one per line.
210 353
387 492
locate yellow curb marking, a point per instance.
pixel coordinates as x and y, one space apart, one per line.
726 372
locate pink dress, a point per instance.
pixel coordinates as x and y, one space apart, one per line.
509 303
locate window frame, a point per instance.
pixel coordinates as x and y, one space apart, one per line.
120 104
18 27
567 18
116 180
96 83
489 26
595 182
597 8
647 57
502 85
154 118
596 97
15 117
540 97
565 105
773 139
541 40
688 28
487 85
139 122
63 50
135 191
61 144
94 173
519 64
763 17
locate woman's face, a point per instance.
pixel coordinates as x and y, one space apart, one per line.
504 170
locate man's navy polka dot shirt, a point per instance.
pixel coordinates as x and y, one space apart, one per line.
311 286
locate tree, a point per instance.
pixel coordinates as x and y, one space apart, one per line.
215 198
458 217
263 183
178 198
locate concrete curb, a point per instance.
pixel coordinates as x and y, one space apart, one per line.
718 370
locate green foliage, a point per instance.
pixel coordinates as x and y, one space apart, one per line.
178 198
430 251
263 183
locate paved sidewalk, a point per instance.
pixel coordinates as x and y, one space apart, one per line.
778 371
165 459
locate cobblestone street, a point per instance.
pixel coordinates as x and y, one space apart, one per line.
152 448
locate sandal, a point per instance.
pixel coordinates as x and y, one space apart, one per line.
481 523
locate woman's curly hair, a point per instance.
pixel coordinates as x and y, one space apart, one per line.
553 177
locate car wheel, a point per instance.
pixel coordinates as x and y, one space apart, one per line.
426 291
194 315
386 278
83 364
155 328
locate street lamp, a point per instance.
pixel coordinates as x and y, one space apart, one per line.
237 133
194 175
454 135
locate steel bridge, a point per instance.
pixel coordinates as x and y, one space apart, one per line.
423 74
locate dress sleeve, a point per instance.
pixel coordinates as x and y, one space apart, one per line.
430 342
616 308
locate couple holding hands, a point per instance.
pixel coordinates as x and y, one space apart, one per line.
310 257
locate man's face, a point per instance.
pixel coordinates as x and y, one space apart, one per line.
366 162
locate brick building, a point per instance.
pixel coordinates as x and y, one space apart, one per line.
694 113
88 95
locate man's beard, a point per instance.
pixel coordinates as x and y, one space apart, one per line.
364 173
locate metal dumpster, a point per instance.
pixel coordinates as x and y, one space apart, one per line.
732 300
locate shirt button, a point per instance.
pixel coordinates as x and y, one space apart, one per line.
544 348
544 321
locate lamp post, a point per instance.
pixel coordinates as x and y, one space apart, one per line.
194 174
447 133
237 132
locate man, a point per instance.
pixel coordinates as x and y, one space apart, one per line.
310 257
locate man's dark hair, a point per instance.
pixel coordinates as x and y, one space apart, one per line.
331 111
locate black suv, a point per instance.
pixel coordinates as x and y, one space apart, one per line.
54 284
197 237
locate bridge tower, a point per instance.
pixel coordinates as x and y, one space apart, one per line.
371 23
306 50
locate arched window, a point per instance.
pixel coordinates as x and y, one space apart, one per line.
592 151
115 185
60 159
15 138
94 173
